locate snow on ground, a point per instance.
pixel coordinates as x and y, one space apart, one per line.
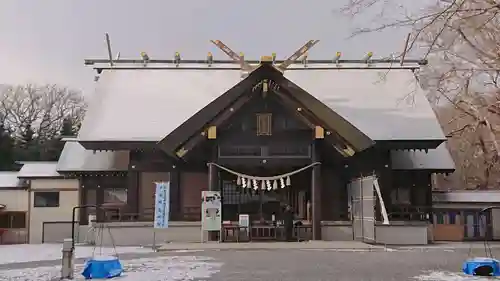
450 276
41 252
146 269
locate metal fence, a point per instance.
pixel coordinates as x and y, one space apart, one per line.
362 199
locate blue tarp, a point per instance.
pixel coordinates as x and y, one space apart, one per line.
477 266
102 268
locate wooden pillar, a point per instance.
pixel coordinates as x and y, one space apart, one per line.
175 195
213 185
428 198
99 199
212 178
83 213
133 192
316 192
213 173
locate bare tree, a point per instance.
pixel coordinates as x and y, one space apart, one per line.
461 39
41 109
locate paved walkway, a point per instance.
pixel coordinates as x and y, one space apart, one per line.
331 245
323 245
455 245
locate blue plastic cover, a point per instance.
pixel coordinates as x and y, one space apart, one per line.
102 268
471 265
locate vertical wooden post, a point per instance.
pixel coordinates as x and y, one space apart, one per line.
175 194
83 213
316 192
428 197
213 185
213 173
212 178
133 192
99 198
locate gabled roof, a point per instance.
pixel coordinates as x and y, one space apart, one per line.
40 169
350 134
136 103
438 159
75 158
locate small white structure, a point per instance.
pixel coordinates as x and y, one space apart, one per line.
51 200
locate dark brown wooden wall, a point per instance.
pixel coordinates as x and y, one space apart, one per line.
191 186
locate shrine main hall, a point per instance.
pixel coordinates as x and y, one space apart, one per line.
350 145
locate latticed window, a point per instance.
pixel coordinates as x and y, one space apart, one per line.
264 124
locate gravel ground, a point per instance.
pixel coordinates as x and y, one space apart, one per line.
329 265
309 265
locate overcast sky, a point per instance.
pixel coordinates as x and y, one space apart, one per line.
46 41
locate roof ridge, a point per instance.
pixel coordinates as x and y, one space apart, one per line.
204 61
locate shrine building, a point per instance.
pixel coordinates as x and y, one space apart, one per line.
350 145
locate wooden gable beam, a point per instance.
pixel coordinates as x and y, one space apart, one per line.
331 119
306 116
217 122
289 104
196 122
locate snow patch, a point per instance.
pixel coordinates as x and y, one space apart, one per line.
42 252
449 276
147 269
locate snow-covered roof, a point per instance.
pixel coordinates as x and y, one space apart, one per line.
75 157
9 180
383 104
479 196
433 159
38 170
146 104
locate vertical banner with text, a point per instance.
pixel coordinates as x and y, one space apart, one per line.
162 204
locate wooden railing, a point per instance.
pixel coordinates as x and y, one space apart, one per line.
236 233
256 151
120 215
411 213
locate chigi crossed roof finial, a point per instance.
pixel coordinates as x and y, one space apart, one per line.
298 59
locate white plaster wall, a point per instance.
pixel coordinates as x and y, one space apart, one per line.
68 198
15 200
402 234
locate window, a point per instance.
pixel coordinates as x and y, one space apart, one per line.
16 220
46 199
264 124
400 196
440 218
453 218
115 195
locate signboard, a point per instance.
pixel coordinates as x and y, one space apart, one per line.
244 221
211 210
162 204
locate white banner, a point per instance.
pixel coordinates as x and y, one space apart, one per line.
211 210
162 204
